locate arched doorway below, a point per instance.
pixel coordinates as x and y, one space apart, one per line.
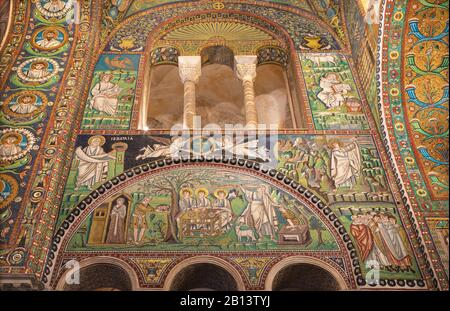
102 277
203 276
304 277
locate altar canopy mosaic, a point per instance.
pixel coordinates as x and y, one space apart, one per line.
355 177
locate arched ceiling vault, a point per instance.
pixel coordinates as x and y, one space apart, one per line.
206 30
240 36
291 15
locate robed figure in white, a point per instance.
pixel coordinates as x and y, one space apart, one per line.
54 6
260 212
49 40
393 240
9 146
24 105
345 164
38 70
333 91
93 164
105 95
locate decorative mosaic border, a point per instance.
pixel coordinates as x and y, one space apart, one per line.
64 132
90 202
401 178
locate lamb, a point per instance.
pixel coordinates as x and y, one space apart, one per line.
247 233
317 60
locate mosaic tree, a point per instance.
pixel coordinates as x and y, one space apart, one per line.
316 224
171 184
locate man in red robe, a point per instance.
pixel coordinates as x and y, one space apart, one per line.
363 236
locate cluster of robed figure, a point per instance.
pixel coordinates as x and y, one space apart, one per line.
381 240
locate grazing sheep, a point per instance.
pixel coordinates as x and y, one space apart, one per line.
246 233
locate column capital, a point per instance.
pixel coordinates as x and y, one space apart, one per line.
245 67
190 68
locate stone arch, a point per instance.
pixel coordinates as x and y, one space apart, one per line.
282 42
272 55
249 10
217 54
341 279
164 55
233 272
249 6
70 225
169 13
236 22
276 65
279 35
101 260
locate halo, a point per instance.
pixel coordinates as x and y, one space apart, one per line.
121 198
22 134
48 30
202 190
47 61
16 98
51 15
186 189
106 74
11 134
102 139
334 74
333 141
59 31
27 95
39 62
14 189
216 193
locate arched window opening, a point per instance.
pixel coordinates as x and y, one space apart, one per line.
232 74
165 98
220 99
204 276
220 95
298 110
218 54
304 277
272 98
102 277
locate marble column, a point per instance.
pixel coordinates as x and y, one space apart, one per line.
245 67
190 68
